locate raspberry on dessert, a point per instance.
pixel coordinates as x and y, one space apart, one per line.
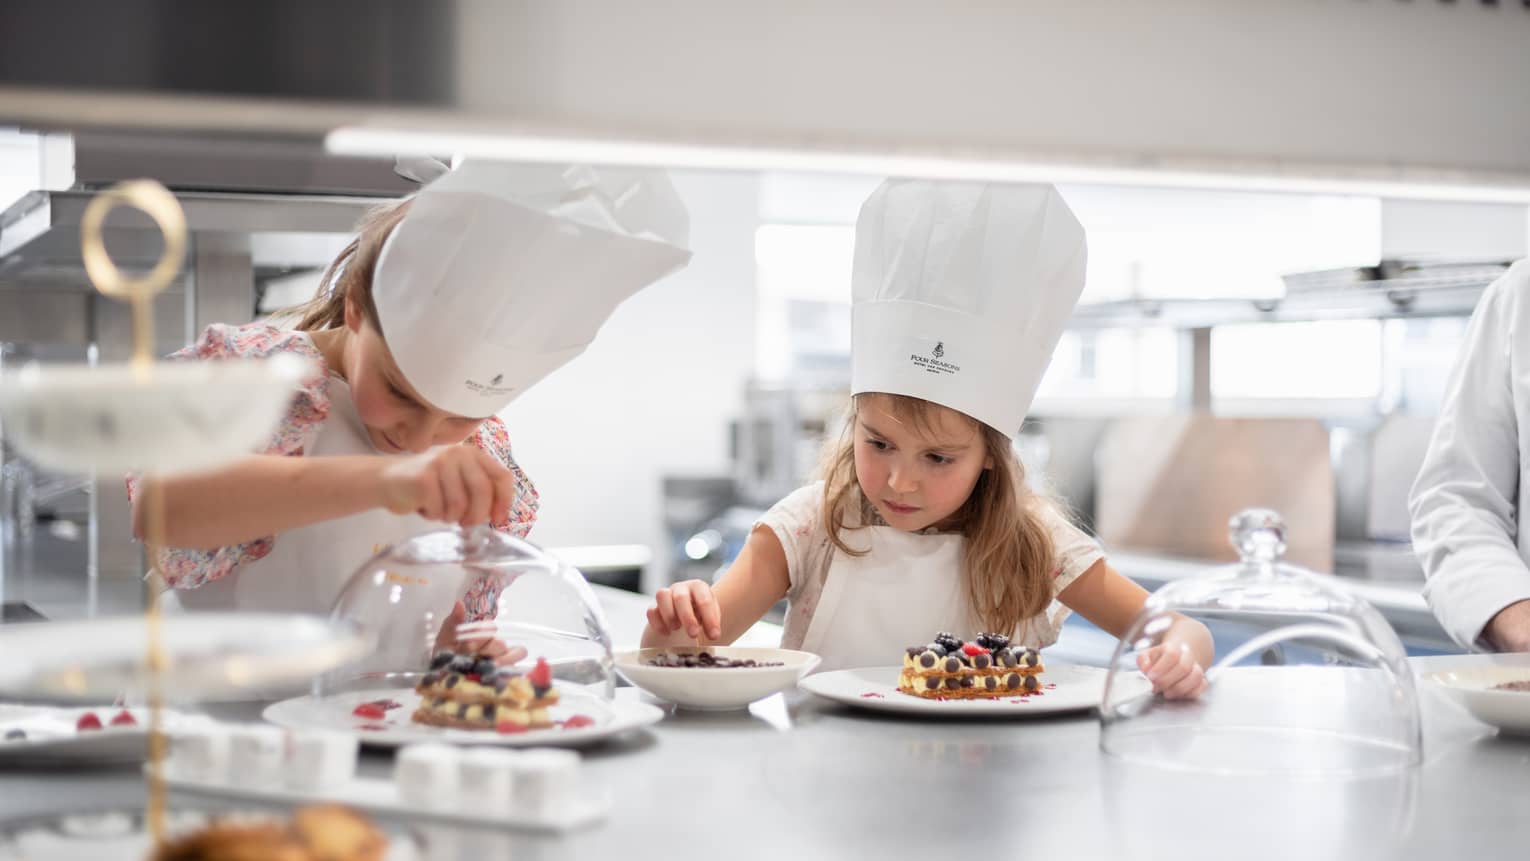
123 718
971 649
87 720
370 711
540 675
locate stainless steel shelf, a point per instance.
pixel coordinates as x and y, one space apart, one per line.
1375 300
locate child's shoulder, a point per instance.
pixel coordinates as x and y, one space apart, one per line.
250 341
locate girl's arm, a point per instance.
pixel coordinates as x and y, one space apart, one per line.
1106 598
686 611
258 496
265 495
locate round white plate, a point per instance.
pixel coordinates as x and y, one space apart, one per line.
612 717
1064 688
1472 687
209 656
51 737
714 688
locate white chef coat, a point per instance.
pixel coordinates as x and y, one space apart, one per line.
1467 499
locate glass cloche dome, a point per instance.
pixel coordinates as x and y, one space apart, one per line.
1309 678
475 608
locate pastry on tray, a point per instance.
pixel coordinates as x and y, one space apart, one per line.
472 692
320 832
989 666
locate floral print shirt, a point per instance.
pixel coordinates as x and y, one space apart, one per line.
188 568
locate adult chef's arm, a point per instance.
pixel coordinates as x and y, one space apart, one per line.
1464 501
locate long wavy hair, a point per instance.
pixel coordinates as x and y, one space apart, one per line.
1009 558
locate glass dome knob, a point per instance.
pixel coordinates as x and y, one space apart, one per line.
1258 534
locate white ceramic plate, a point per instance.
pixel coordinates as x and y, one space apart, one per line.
51 737
1472 688
1064 688
209 656
713 688
612 717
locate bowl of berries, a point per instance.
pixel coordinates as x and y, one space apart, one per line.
714 678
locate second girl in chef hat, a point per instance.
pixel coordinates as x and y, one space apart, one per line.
444 308
923 521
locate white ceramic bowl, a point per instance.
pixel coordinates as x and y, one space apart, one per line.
714 688
182 416
1472 688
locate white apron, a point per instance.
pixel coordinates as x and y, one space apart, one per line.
903 592
308 566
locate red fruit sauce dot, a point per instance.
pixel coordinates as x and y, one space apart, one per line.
372 727
578 721
371 711
124 718
87 720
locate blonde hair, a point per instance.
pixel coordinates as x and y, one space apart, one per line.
349 275
1008 560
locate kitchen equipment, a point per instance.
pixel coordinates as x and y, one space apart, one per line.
1357 714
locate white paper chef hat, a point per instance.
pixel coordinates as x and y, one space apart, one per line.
961 293
501 273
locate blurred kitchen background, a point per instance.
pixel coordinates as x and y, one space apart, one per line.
1236 345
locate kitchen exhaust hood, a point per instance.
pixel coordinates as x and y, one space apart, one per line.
1391 98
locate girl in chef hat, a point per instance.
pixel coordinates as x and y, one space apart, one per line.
443 309
923 521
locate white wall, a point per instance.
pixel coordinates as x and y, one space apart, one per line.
654 393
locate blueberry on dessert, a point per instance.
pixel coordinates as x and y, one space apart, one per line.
441 659
948 641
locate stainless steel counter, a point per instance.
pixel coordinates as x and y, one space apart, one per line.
795 777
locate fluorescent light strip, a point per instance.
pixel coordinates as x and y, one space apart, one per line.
383 142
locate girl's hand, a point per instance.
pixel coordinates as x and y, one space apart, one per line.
475 638
1173 670
456 484
686 606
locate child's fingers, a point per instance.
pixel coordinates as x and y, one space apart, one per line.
707 611
665 602
656 622
430 499
685 609
453 492
504 494
1189 687
480 494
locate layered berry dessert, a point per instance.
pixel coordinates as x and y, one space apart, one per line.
989 666
472 692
